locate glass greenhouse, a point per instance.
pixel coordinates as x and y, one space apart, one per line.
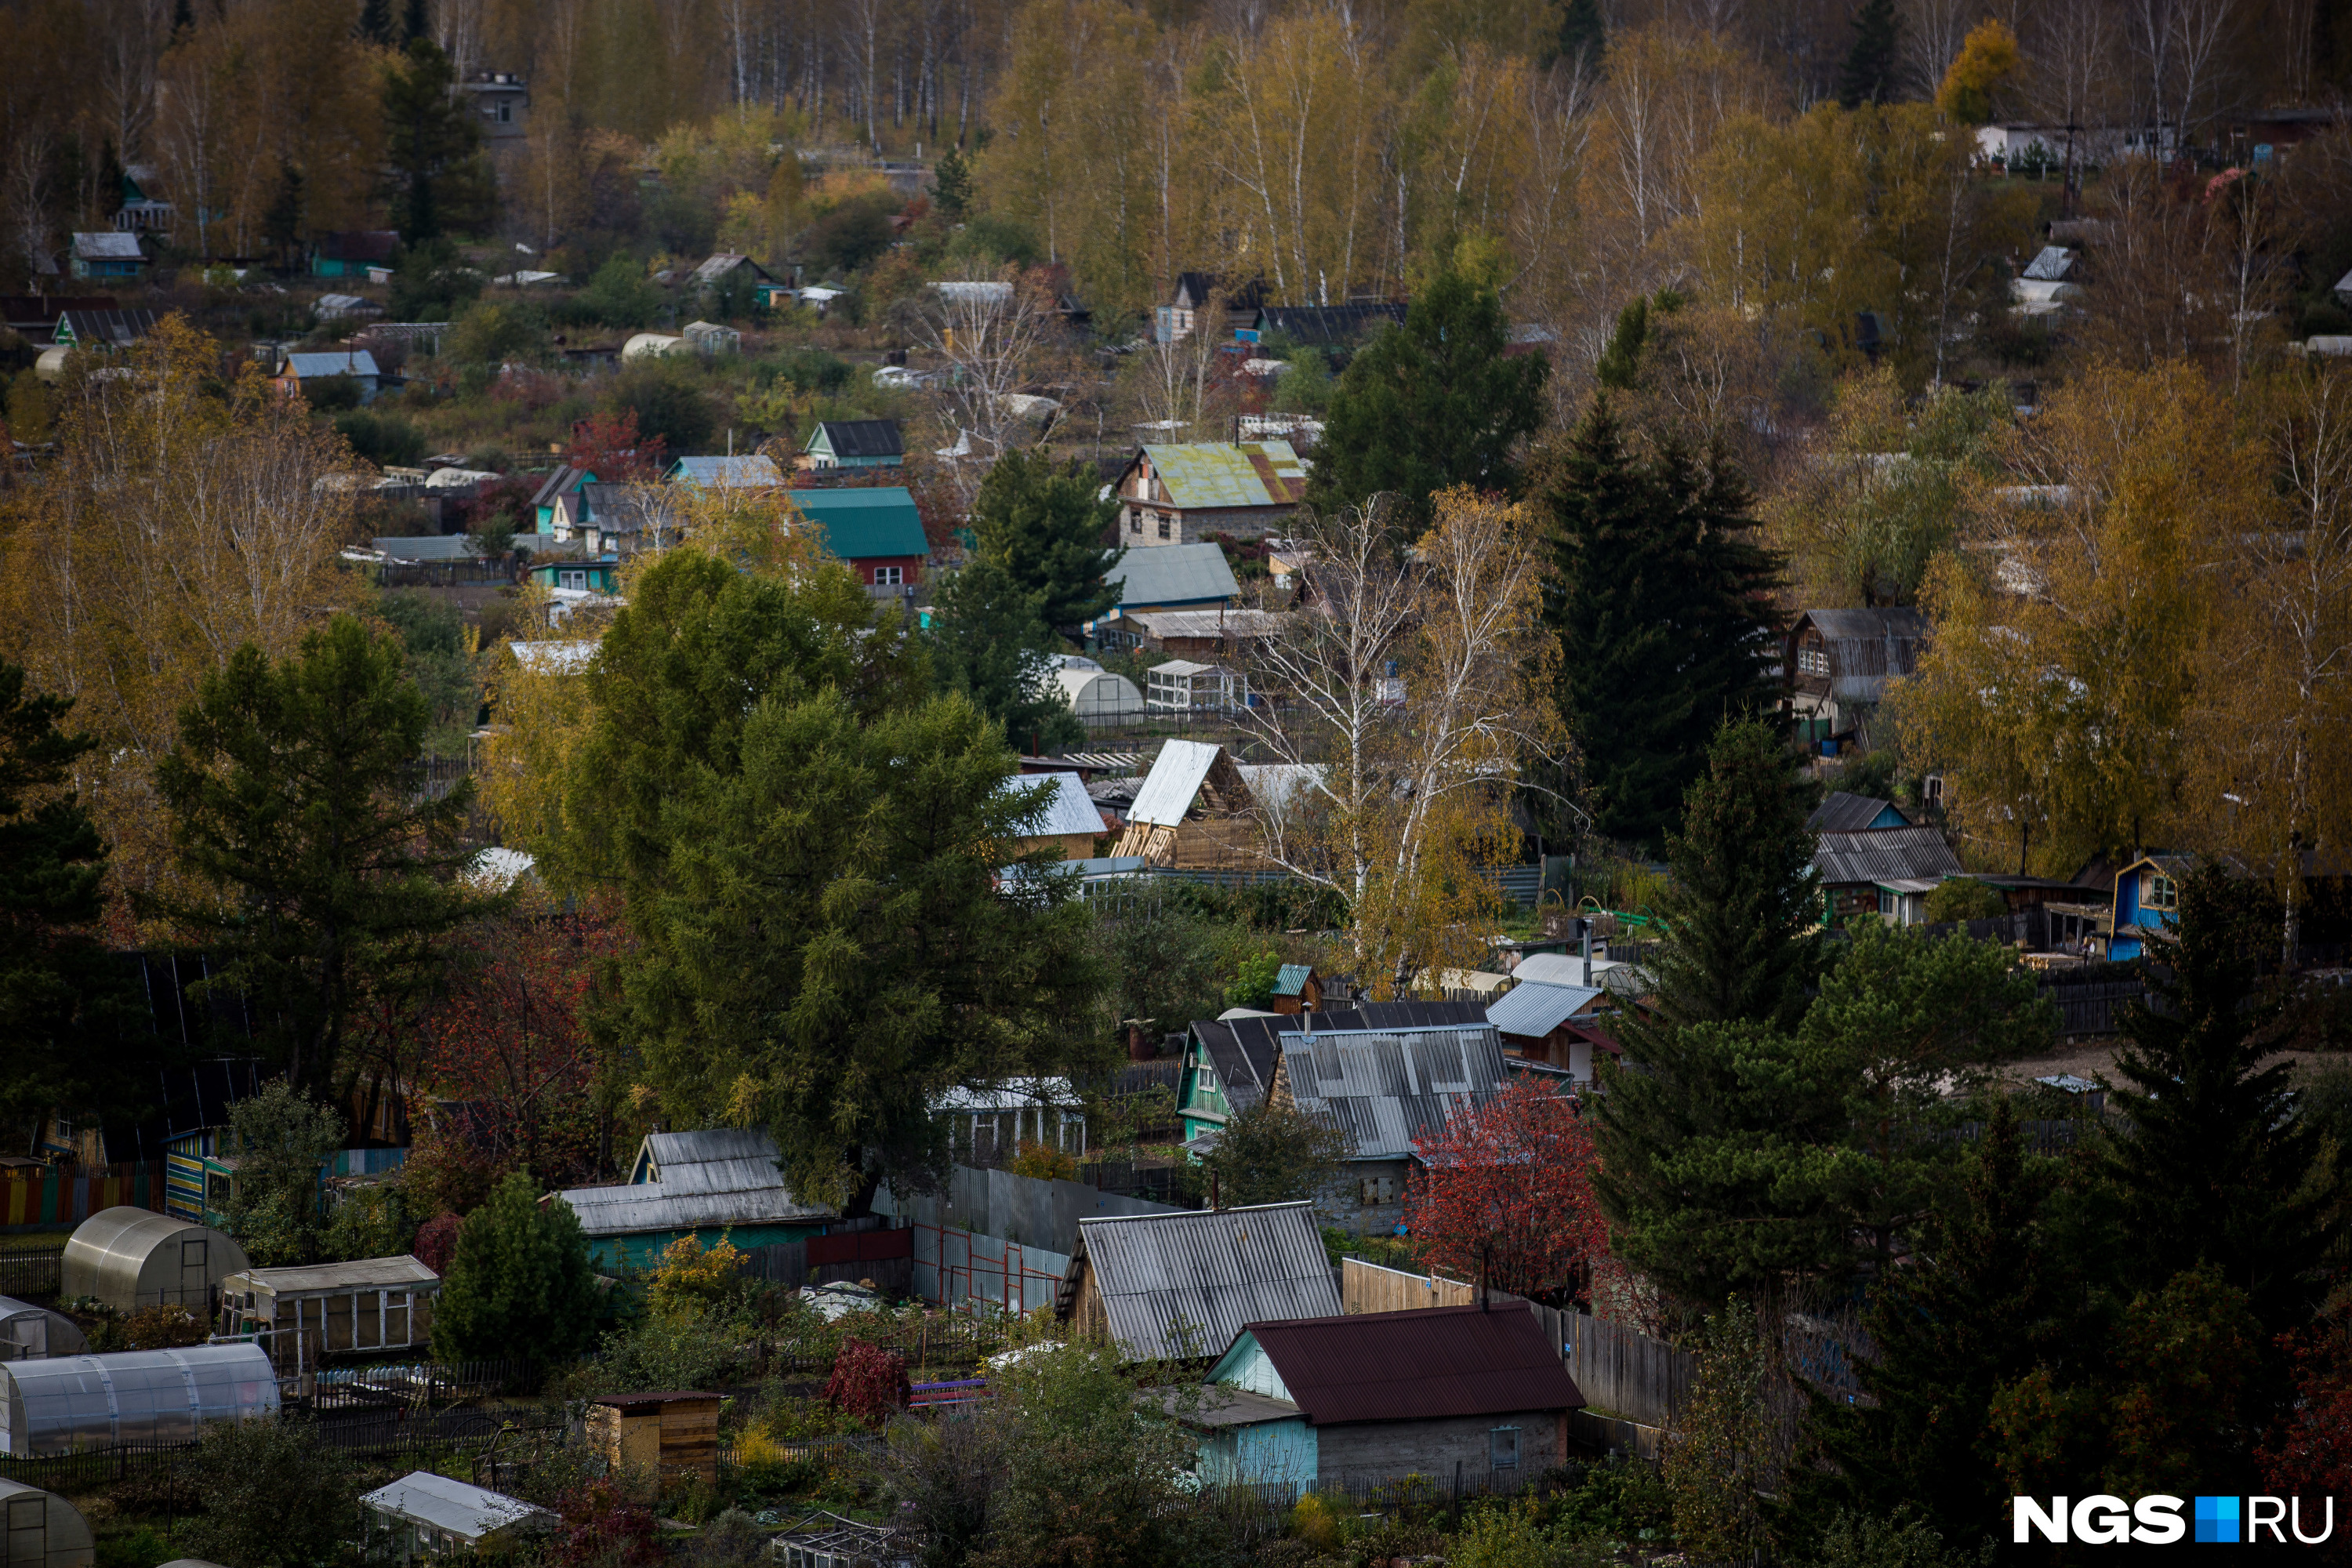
130 1258
41 1529
67 1403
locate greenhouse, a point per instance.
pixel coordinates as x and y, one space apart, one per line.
70 1403
130 1258
42 1529
33 1333
1098 696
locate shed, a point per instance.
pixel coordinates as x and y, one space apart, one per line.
1179 576
1837 664
426 1515
130 1258
656 1437
1063 815
1179 1285
1377 1395
1297 989
41 1529
1192 810
1549 1024
711 337
305 372
1186 686
1097 696
856 443
720 1182
67 1403
2147 902
309 1312
35 1333
1851 866
107 254
878 530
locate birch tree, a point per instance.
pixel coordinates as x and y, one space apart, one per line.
1405 701
992 332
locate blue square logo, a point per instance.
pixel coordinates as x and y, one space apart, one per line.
2217 1519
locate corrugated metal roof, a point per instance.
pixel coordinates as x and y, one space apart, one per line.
1183 1284
107 245
1553 968
1535 1010
1426 1365
1387 1084
1844 813
563 482
424 1497
1171 574
729 473
1867 648
350 361
1880 854
1236 623
709 1160
1291 979
1174 780
367 1274
1061 805
1210 473
860 437
864 524
654 1207
2050 265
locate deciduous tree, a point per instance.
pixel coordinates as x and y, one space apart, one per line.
1274 1153
1503 1194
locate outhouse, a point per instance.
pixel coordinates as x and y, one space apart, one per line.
426 1515
129 1258
66 1403
41 1529
309 1312
656 1436
35 1333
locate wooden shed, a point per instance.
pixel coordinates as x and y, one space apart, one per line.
656 1437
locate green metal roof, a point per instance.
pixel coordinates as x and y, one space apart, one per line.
864 524
1220 473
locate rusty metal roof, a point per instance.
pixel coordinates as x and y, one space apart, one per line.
1210 473
1425 1365
1183 1284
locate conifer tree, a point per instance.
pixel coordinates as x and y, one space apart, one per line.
1583 35
989 643
520 1287
433 175
1868 75
1046 524
375 22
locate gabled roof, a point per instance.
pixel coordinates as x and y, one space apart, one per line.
1183 1284
1844 813
1193 289
107 245
424 1497
344 362
1533 1011
616 508
864 524
1170 574
1291 978
1180 775
1064 809
748 472
1326 325
2052 265
1883 854
375 245
87 327
1866 649
720 264
1210 474
1389 1072
859 438
1426 1365
712 1160
561 482
680 1181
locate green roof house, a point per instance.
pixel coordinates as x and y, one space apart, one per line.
876 531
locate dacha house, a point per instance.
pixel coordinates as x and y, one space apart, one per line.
877 531
720 1184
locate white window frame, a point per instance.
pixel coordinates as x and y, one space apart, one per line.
573 579
890 577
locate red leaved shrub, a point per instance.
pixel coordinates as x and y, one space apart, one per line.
869 1382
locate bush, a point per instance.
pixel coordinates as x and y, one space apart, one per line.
519 1284
387 440
163 1327
666 403
490 333
436 1240
274 1495
1253 984
867 1382
619 295
851 234
332 394
1043 1163
806 369
1966 899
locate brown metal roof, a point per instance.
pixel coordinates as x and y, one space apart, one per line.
1418 1365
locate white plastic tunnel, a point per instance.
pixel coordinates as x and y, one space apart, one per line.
130 1258
33 1333
71 1402
41 1529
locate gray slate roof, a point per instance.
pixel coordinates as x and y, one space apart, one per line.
1387 1082
2052 265
1844 813
751 471
1883 854
107 245
348 362
1866 649
1184 1284
1171 574
721 1176
1533 1011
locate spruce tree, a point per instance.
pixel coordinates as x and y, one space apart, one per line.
989 642
520 1287
1583 35
282 221
1047 525
375 22
1972 1314
2213 1164
435 176
1429 404
1621 357
1868 75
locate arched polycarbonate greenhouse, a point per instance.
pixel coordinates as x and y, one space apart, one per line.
41 1529
69 1403
33 1333
130 1258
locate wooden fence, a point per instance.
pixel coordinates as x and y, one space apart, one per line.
55 1195
1619 1370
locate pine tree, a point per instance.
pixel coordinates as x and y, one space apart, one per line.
282 221
325 880
2216 1167
1430 405
435 176
1583 35
1046 524
1868 75
989 643
1970 1315
1621 358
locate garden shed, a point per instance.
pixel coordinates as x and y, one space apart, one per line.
656 1437
41 1529
35 1333
130 1258
67 1403
308 1312
426 1515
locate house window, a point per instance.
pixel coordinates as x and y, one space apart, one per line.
1931 789
1163 528
1812 661
2163 893
506 112
1134 522
888 576
1503 1447
571 580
